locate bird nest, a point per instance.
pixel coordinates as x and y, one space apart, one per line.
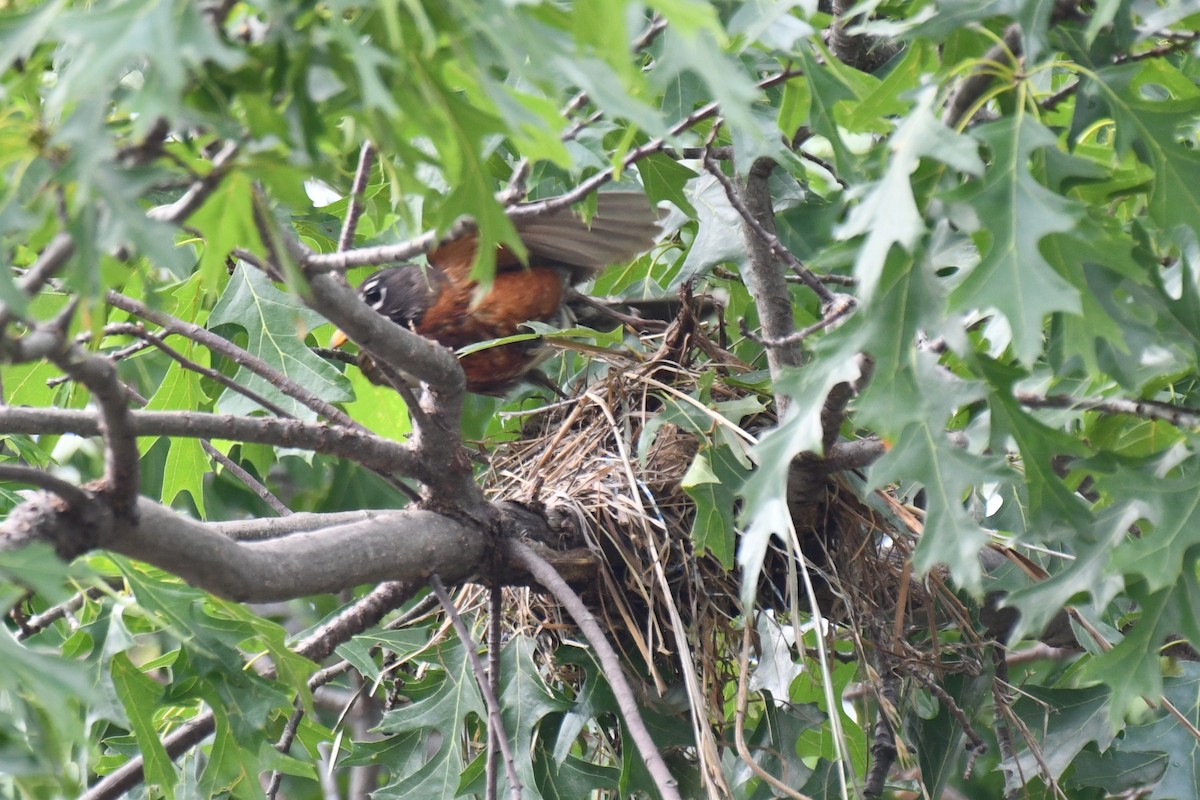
607 467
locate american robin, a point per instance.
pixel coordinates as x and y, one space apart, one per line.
439 303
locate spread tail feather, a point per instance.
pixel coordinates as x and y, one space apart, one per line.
623 226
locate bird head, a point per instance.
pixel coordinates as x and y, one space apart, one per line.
402 294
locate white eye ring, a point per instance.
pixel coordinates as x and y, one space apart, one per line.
378 304
382 297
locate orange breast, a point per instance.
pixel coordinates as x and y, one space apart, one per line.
516 297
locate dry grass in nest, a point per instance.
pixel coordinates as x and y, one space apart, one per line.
604 460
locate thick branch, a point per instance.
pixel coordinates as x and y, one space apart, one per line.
1002 54
121 457
405 546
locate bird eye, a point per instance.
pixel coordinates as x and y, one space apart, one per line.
374 295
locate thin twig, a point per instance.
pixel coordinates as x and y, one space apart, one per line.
354 209
252 483
1004 740
150 339
842 307
39 622
317 646
48 263
739 723
609 663
976 744
1181 42
72 494
375 256
1179 416
236 354
199 191
284 744
777 248
485 685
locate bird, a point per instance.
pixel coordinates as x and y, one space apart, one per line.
441 302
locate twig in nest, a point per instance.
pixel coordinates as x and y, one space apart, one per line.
883 743
485 686
609 663
739 729
975 744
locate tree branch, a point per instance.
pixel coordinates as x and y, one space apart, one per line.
72 494
970 90
237 355
250 482
481 678
121 457
48 264
139 331
199 191
318 646
384 254
1178 416
354 208
405 546
374 452
609 662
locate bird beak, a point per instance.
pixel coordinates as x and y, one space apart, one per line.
338 339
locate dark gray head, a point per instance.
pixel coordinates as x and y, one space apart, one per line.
402 294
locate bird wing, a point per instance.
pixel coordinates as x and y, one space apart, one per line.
623 226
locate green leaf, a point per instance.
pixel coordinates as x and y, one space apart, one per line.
1149 125
525 702
1017 212
139 695
167 36
227 218
888 214
665 179
1117 771
292 669
1168 495
276 324
36 567
1132 666
1167 743
719 236
1080 717
187 464
443 704
712 481
1088 573
924 453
